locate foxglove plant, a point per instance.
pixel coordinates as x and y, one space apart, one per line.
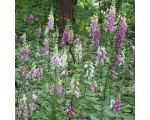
78 51
23 38
94 23
64 58
52 88
46 42
31 18
100 55
51 21
56 61
70 111
36 74
38 33
25 113
121 36
58 87
120 40
46 51
95 33
23 72
32 107
110 24
65 38
116 61
89 66
94 87
46 48
60 70
46 31
117 106
37 53
49 27
112 102
22 108
74 87
25 55
97 42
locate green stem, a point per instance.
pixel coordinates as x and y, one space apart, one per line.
70 50
107 77
110 82
65 87
104 97
100 15
121 87
54 99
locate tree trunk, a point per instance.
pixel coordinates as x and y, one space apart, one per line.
74 4
66 12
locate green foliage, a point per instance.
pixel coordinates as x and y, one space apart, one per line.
93 106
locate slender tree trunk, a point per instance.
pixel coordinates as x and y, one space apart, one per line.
66 12
74 4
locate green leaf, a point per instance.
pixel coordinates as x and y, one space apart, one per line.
97 107
93 117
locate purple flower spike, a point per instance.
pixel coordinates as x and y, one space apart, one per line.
70 111
23 38
121 35
117 59
101 55
46 42
110 25
36 74
96 34
97 43
25 55
46 51
25 113
93 24
32 107
92 90
117 106
65 38
31 18
51 23
56 61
